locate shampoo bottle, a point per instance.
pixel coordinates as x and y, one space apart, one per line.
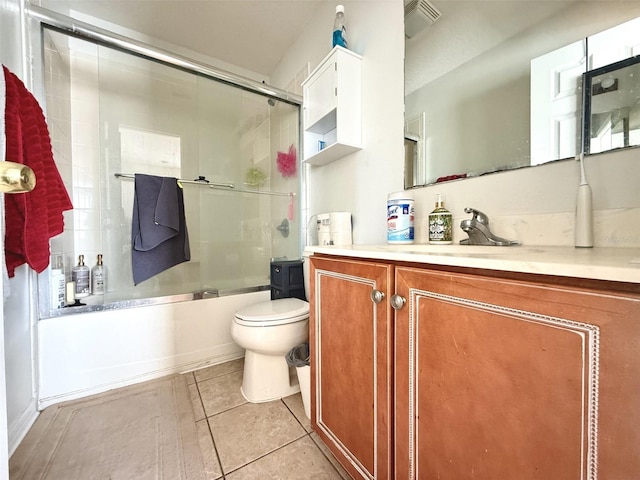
440 221
57 288
98 278
80 275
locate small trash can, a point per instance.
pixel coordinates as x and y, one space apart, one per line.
299 357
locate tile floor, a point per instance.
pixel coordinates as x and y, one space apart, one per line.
242 440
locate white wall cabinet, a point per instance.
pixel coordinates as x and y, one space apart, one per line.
332 108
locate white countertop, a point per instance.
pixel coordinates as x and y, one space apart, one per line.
614 264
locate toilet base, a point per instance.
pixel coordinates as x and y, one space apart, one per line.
266 378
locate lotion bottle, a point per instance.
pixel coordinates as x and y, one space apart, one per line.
440 224
80 275
98 278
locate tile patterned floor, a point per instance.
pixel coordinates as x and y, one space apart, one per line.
247 441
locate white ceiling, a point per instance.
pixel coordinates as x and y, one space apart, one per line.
252 34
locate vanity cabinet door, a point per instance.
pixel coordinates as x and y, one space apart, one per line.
503 379
350 371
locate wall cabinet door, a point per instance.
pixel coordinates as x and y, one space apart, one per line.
350 340
500 379
332 109
320 96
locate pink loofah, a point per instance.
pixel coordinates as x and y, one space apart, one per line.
287 162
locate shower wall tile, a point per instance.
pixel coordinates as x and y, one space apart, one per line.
87 242
86 219
87 133
84 199
85 112
85 176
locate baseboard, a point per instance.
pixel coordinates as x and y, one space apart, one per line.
21 426
213 361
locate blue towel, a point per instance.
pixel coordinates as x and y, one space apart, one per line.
159 237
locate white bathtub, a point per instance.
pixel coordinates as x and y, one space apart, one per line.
87 353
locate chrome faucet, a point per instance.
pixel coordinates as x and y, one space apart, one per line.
477 227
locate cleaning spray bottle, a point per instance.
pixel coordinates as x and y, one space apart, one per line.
584 211
339 28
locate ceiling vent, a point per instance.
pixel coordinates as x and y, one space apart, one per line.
418 14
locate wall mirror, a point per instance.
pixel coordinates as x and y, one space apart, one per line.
475 74
612 106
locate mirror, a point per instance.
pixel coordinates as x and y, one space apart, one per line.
470 73
612 106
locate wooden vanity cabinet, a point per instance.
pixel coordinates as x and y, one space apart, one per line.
350 343
508 379
495 376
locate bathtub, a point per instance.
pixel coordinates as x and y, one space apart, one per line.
91 352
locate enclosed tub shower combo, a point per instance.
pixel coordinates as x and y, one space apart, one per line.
116 109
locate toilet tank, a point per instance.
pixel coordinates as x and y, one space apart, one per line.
287 279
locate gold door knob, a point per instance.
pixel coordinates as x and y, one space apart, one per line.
16 178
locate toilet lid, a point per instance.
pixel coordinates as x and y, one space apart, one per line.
283 310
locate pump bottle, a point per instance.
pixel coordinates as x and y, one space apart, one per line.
98 278
80 275
440 224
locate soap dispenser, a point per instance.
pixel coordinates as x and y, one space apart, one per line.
98 277
440 223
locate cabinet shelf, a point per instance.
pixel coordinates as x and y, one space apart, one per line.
332 108
331 153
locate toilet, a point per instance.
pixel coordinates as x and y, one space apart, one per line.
268 331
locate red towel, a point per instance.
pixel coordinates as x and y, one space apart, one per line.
31 218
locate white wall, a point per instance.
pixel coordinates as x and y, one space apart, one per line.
84 354
360 182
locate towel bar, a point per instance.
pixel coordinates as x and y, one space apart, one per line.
206 183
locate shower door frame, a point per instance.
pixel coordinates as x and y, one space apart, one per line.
38 18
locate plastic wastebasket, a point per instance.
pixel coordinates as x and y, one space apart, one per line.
299 357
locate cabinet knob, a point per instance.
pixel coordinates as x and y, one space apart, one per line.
377 296
397 302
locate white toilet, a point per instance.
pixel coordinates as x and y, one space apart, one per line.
268 331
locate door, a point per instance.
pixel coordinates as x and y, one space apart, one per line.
500 379
350 370
556 95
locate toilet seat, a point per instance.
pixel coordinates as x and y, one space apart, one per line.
274 312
